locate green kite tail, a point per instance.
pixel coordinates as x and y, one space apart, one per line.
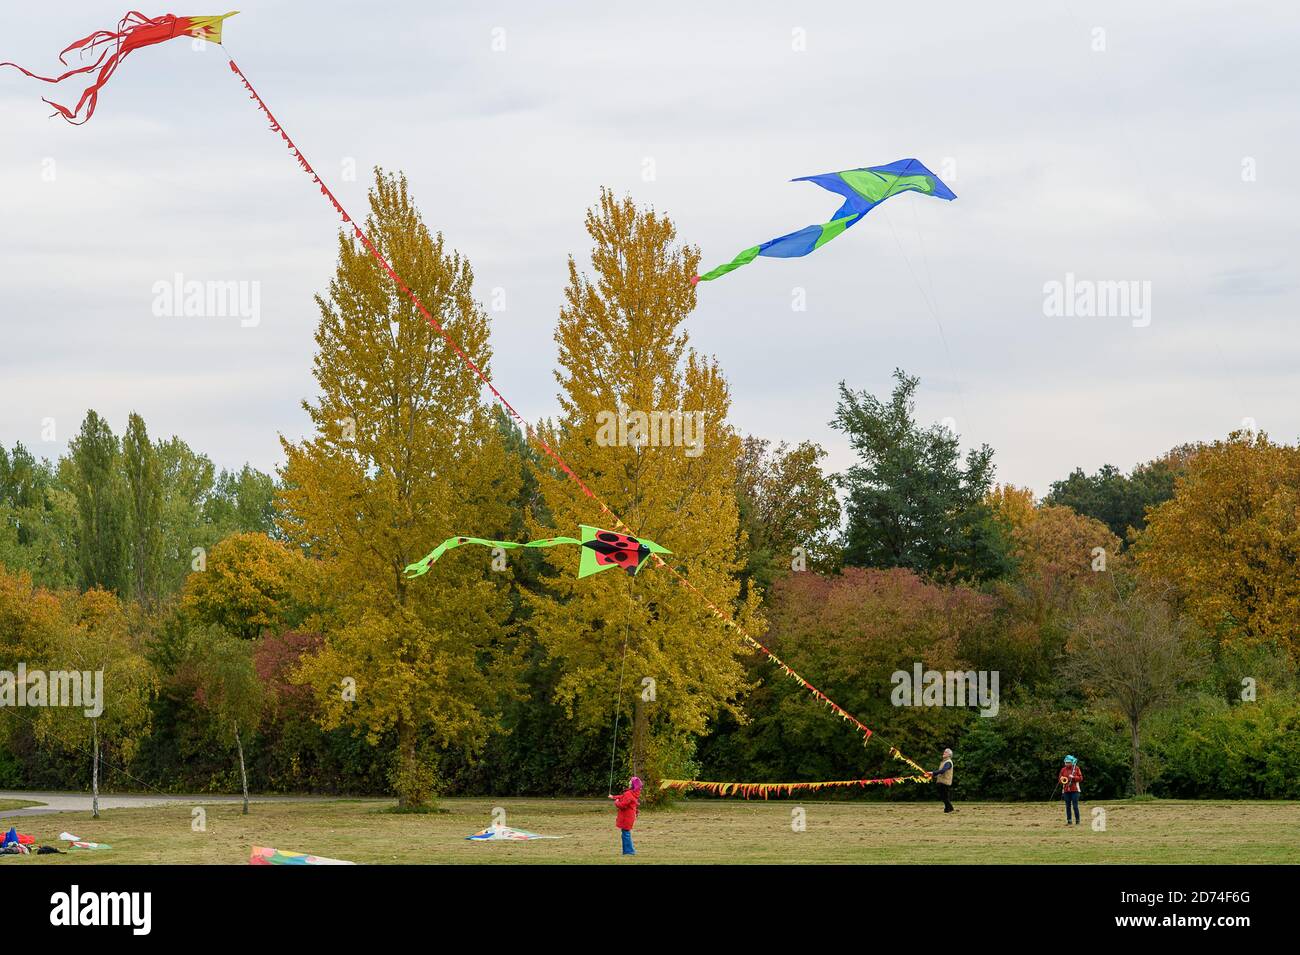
425 563
601 550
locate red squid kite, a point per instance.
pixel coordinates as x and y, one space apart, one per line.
111 47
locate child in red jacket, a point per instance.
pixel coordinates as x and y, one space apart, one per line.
626 804
1070 778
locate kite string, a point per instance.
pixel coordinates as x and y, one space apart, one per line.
931 303
404 288
618 698
529 431
627 620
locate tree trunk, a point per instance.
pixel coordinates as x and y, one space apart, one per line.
409 780
243 773
94 772
643 765
1138 785
406 779
640 728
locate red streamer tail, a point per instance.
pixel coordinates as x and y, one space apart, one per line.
112 46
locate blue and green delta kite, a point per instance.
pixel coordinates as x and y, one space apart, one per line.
862 189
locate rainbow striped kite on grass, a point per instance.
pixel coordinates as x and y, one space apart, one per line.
262 855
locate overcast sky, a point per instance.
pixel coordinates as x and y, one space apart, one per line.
1152 143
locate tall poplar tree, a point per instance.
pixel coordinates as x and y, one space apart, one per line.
144 485
38 520
405 454
624 357
187 482
93 472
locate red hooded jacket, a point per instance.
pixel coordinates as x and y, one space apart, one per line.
626 805
1070 777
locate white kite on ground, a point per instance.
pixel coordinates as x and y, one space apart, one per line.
506 834
81 843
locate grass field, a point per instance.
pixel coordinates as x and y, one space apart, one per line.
7 804
694 831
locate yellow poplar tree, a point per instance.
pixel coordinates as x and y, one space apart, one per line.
406 453
624 356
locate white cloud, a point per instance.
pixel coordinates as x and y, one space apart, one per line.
1117 165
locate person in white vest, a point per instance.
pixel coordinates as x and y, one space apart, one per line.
943 780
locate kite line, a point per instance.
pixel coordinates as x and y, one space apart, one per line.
618 698
627 628
541 442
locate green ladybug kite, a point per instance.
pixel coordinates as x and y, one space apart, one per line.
601 550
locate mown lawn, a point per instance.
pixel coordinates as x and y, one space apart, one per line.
694 831
7 804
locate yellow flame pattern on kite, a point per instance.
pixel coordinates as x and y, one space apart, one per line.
208 28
